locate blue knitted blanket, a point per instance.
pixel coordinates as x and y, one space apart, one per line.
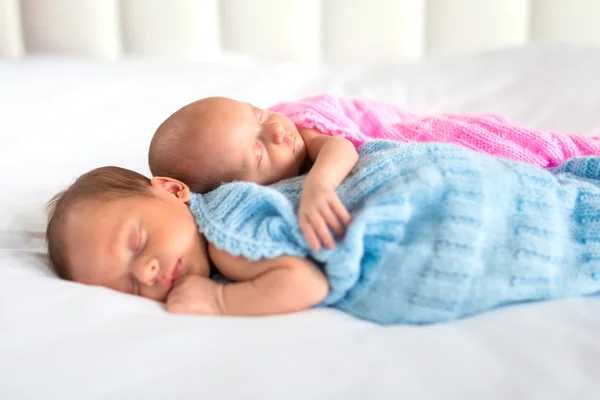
439 232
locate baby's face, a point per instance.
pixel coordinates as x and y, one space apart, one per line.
137 245
238 141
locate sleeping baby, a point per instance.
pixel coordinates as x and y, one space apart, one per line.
217 140
439 232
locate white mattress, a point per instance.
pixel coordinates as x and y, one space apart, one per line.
60 117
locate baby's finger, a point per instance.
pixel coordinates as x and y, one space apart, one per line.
177 307
322 231
332 221
309 234
172 303
340 210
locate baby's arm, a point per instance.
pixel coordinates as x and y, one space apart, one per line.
276 286
320 208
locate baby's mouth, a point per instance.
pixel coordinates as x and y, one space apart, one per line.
177 270
174 273
294 142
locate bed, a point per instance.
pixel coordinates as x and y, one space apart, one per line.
82 96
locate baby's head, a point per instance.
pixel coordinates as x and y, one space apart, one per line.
118 229
217 140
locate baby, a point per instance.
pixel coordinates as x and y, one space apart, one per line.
439 232
118 229
217 140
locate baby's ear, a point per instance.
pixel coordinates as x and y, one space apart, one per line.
173 186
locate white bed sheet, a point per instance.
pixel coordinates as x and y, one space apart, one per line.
61 117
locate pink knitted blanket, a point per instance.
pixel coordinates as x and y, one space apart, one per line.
363 120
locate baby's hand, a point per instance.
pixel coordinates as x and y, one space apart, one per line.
321 211
193 294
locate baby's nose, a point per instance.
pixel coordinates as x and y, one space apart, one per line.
147 272
277 133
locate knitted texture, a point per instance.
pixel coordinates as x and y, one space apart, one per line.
439 232
362 120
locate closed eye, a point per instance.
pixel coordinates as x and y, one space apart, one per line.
143 240
137 239
259 114
259 151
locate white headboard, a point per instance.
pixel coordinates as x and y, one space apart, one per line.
299 30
